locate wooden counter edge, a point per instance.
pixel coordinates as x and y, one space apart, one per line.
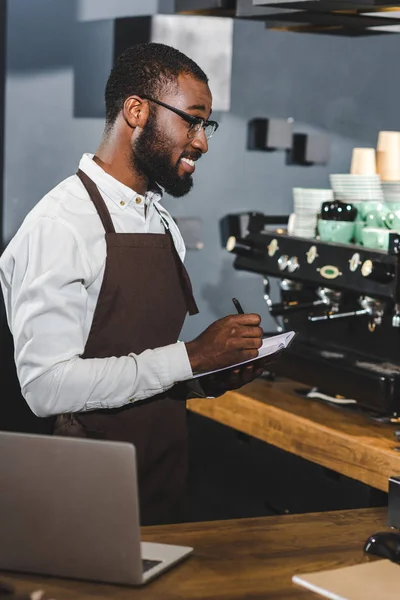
352 455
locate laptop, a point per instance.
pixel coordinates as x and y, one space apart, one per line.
69 508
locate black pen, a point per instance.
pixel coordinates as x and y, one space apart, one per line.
238 306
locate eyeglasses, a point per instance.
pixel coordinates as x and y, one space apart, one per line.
196 123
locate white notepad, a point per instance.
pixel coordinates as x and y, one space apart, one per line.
377 580
271 345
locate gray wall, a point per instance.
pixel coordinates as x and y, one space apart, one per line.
348 87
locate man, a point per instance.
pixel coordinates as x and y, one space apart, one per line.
96 291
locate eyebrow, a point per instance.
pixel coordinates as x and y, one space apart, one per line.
198 107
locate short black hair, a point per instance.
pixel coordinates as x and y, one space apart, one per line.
146 70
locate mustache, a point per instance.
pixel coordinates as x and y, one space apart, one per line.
192 155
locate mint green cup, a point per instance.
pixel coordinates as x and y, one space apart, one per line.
375 208
358 227
341 232
392 220
393 206
375 237
375 219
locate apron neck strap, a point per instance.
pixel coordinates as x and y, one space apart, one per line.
185 281
98 201
163 220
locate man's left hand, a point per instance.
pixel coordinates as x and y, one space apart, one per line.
231 379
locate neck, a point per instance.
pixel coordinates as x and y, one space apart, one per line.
113 156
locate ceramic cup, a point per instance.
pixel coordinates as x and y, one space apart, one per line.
373 207
291 224
392 220
358 227
375 237
374 219
335 231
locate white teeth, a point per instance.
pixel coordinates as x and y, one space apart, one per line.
188 161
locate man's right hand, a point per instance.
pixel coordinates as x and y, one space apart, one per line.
225 342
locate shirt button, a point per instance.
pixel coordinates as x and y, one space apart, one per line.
122 203
138 200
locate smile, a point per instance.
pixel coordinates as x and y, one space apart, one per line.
188 165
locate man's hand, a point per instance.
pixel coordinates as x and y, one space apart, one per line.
217 384
230 340
231 379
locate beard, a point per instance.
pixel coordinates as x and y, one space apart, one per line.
150 157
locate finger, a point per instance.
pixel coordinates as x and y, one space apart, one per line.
246 377
251 331
246 319
249 374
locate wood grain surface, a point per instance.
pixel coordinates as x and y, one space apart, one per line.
246 559
349 443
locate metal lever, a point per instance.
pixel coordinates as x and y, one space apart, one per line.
352 313
281 309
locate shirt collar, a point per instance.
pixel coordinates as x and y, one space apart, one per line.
115 190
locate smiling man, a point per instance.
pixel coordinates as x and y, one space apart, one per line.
96 291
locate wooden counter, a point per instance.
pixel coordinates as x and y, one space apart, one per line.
250 559
349 443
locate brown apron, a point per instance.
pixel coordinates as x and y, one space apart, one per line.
143 301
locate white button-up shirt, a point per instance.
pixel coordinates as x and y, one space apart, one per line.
51 273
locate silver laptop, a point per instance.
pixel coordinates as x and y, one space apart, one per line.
69 508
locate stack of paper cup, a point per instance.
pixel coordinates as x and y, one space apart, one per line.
391 192
388 155
363 161
356 188
307 206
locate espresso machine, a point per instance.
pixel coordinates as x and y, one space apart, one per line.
343 300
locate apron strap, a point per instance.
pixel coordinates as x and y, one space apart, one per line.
183 274
98 201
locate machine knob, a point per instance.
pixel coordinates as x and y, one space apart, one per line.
272 247
240 247
396 320
293 264
311 254
378 271
283 262
354 262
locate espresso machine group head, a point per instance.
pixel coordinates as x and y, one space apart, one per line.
342 299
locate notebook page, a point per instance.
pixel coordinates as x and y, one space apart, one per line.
270 346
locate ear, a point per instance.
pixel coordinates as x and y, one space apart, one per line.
135 111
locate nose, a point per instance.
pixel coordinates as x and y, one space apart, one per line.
200 142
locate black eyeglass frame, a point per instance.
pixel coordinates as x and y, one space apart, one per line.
191 119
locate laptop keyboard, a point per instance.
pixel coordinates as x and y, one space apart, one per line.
149 564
